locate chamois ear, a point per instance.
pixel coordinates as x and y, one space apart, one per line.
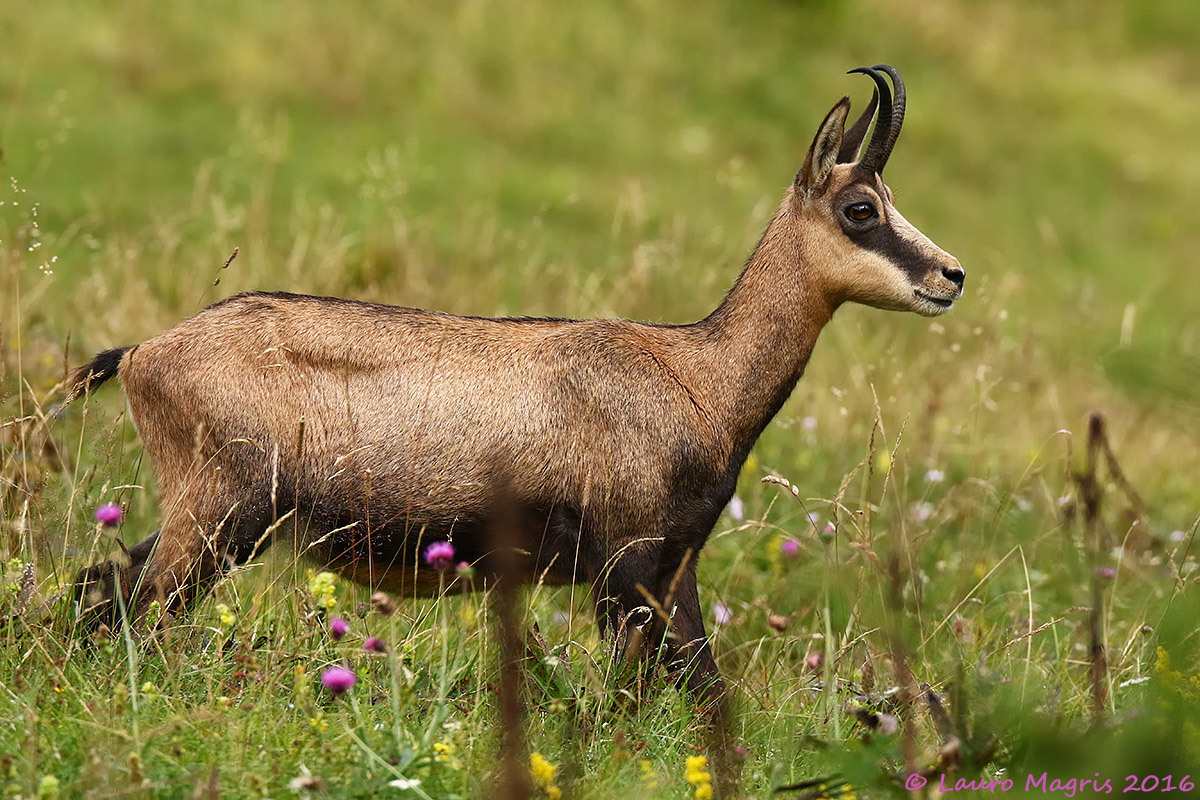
852 141
823 154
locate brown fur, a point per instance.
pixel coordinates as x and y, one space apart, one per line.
381 429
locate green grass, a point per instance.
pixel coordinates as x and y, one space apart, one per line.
620 160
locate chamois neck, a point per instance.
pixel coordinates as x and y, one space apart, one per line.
761 336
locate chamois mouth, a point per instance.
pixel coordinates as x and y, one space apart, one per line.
931 306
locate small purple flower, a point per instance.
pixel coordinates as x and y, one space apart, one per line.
109 514
374 644
1106 573
338 628
338 679
465 571
789 548
440 556
721 614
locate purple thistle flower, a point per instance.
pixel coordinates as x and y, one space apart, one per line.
374 644
789 548
440 555
338 679
1106 573
109 514
338 628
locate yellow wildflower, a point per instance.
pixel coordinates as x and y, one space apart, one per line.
541 769
225 614
441 751
48 788
543 775
697 775
321 586
649 776
773 552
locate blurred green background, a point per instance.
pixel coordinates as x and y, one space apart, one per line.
621 159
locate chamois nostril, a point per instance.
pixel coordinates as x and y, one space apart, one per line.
955 275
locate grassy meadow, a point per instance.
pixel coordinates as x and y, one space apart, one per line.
945 596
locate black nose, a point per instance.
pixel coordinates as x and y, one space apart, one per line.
955 275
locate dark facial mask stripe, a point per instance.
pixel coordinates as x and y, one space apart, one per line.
884 240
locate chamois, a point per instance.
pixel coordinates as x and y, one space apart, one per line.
610 447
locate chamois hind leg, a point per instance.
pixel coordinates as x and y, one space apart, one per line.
204 535
97 586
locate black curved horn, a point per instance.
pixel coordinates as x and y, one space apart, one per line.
875 157
897 111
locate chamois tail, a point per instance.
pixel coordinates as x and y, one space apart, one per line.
91 375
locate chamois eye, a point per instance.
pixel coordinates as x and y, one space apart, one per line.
860 212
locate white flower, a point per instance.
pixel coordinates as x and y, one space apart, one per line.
736 508
809 423
721 614
935 476
1178 536
306 782
405 783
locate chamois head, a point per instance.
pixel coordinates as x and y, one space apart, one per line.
862 249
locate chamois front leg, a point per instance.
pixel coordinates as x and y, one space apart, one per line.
687 644
689 652
634 600
622 608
